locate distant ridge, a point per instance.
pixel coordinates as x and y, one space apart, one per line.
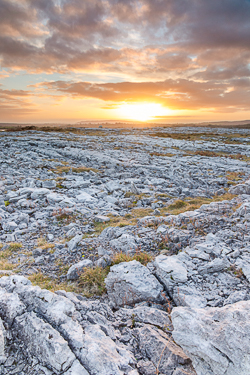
119 124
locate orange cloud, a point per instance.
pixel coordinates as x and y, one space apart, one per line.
181 94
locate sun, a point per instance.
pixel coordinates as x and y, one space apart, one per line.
141 111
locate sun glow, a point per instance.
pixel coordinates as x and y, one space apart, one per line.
142 111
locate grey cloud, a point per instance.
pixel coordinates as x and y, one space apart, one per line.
199 40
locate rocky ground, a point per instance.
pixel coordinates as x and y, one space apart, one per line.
141 241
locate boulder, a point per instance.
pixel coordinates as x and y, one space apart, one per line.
131 282
49 184
162 351
240 189
101 219
72 244
75 270
125 243
39 193
170 271
216 339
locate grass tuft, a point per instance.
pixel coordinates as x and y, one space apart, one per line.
91 281
142 257
14 246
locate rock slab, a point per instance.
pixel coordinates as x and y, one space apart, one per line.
131 282
216 339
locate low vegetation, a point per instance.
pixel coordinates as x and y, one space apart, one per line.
142 257
67 169
168 154
235 176
43 244
191 204
14 246
46 282
91 281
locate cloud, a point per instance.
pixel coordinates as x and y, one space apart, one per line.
189 54
15 103
53 36
181 94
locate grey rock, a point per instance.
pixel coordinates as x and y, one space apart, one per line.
103 357
216 339
72 244
131 282
170 271
101 219
75 270
161 350
49 184
2 343
44 342
217 265
240 189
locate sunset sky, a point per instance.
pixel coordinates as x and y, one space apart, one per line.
162 60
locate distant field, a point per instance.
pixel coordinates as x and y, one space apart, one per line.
112 125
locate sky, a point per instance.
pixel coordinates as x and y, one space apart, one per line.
162 61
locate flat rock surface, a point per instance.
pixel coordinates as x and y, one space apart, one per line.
217 340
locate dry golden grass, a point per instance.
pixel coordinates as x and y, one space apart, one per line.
192 204
142 257
168 154
46 282
141 212
67 169
6 266
236 176
14 246
43 244
91 281
227 138
219 154
128 219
